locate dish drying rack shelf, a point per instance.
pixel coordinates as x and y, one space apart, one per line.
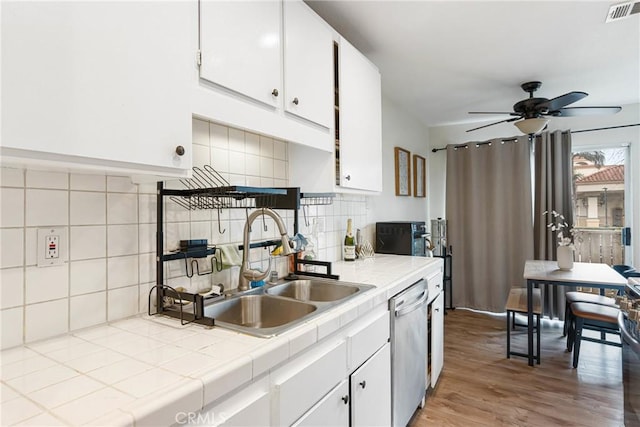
207 189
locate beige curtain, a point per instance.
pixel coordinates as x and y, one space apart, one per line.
488 208
553 187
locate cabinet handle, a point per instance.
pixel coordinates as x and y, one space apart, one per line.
438 309
179 150
347 177
363 384
295 101
275 92
345 399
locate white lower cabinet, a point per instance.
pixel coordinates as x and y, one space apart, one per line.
332 410
370 387
302 383
437 338
246 408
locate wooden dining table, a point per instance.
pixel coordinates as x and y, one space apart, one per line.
592 275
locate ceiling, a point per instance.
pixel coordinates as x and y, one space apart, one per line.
442 59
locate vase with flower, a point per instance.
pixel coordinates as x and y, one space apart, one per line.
565 236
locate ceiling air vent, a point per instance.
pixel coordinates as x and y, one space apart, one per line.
622 10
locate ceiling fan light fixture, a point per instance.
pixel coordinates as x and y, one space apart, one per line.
531 126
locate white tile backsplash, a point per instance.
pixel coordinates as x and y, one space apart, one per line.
46 319
122 271
88 182
87 208
42 179
11 177
87 276
12 287
112 225
11 247
122 302
87 242
47 207
46 283
122 208
11 207
87 310
121 184
11 327
122 240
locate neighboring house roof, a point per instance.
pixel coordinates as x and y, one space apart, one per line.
605 174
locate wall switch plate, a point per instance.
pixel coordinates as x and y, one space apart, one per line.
51 246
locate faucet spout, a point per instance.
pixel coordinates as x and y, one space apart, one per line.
246 273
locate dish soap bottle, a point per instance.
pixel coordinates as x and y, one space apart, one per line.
349 250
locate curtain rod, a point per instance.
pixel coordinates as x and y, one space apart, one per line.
465 145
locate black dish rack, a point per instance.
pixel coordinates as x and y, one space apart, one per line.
207 189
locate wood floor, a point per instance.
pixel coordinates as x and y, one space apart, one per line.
479 386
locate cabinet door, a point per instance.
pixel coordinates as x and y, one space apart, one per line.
240 47
98 83
332 410
308 64
247 408
370 388
360 121
437 338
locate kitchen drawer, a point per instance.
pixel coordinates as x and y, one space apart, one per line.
301 384
434 284
365 341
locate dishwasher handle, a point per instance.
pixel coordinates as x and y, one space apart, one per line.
408 309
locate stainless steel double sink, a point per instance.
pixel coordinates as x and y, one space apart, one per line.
270 310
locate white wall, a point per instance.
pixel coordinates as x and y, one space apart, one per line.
456 134
400 129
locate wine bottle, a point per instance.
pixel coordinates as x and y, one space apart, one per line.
349 243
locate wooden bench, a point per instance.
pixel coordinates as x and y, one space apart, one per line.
517 303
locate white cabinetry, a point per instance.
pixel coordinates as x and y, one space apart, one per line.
100 85
266 66
332 410
360 124
437 338
248 407
308 60
436 327
240 47
356 164
371 391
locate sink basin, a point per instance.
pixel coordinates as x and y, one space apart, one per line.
270 310
260 315
313 290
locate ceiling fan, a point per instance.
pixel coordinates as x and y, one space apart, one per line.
530 114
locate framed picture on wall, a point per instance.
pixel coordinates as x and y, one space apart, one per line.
419 174
403 172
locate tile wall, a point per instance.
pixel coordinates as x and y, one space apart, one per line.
108 242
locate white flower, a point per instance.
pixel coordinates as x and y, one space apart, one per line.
559 224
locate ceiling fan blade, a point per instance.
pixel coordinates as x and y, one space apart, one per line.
494 112
495 123
557 103
584 111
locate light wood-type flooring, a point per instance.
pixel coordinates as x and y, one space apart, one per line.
479 386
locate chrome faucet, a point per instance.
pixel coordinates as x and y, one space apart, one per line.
246 273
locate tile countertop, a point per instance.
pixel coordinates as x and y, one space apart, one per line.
143 370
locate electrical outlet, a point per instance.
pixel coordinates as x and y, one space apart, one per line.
51 246
52 242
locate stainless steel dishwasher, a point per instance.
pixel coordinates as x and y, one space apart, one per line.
408 312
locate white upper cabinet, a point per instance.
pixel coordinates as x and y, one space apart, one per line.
99 85
240 44
308 64
266 66
360 124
